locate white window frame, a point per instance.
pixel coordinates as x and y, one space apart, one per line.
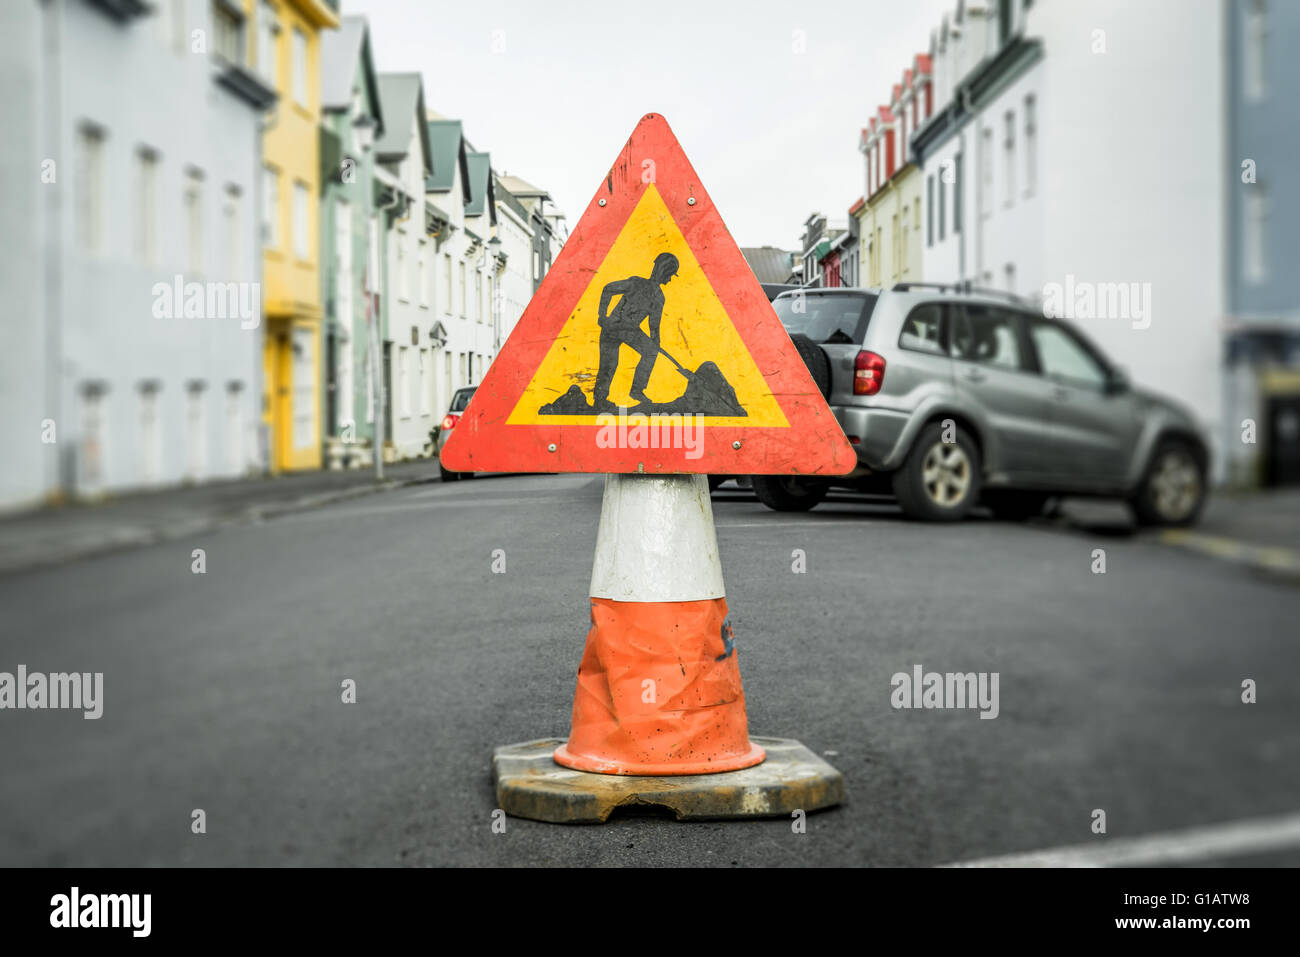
301 221
271 237
298 66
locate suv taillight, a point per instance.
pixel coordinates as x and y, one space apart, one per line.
868 373
449 422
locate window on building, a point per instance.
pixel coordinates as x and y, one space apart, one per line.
929 210
150 434
404 386
986 171
301 220
146 206
895 237
227 33
1009 273
444 388
906 237
230 226
173 25
90 188
271 207
1031 145
343 277
478 296
193 206
1254 233
902 138
403 283
1009 158
957 194
1004 22
268 43
1255 53
235 427
298 61
424 272
446 283
463 304
464 372
426 384
196 432
942 214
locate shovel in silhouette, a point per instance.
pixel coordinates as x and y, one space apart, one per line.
707 390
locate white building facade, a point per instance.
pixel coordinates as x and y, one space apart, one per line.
116 114
1063 164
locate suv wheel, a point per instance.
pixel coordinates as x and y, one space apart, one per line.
1173 489
789 493
449 476
940 481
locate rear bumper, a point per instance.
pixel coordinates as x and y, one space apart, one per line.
875 434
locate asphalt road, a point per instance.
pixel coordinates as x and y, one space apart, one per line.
222 690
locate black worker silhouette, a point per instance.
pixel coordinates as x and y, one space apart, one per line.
641 300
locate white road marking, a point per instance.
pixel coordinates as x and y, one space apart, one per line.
1236 838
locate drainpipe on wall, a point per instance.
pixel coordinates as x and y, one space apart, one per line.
64 463
376 365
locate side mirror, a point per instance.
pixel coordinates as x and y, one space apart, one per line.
1118 382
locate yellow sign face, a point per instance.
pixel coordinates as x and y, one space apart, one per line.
649 335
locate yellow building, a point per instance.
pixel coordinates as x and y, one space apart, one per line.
287 49
891 219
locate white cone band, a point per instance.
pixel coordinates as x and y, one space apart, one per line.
656 540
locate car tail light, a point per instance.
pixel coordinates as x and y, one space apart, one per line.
449 422
868 373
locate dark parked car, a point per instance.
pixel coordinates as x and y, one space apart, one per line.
459 403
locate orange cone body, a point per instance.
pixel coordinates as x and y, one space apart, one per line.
659 688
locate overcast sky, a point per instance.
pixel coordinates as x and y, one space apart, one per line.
772 132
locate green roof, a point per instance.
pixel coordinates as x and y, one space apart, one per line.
482 195
447 143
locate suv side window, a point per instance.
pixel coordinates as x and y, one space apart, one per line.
988 335
926 329
1062 356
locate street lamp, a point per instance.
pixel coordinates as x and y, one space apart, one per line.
494 250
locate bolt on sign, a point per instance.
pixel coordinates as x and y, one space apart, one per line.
649 347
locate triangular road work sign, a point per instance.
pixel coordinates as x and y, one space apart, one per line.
649 347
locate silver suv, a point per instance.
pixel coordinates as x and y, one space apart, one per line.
953 398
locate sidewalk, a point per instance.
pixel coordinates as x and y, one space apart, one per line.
1260 530
61 533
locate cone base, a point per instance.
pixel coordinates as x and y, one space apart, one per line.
529 784
582 762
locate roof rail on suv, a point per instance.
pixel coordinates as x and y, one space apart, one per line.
959 287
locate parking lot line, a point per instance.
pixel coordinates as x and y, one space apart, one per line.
1233 839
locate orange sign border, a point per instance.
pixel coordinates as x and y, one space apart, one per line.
812 444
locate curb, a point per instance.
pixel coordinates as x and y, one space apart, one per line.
1273 561
138 536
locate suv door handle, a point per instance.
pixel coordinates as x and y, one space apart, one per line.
975 375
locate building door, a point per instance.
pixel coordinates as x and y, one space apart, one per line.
1283 450
303 347
280 401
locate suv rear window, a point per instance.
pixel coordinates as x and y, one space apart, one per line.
460 401
826 318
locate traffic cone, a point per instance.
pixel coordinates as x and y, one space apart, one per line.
659 690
